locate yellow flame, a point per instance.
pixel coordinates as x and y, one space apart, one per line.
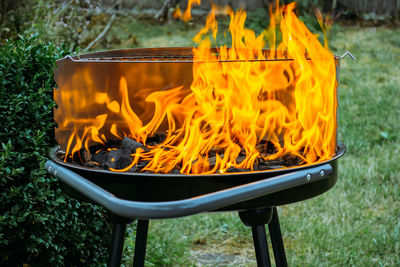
239 97
177 13
187 14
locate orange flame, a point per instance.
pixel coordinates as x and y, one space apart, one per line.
177 13
239 97
187 15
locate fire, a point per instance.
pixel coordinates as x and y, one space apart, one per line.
187 15
239 98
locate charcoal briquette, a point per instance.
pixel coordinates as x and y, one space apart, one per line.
174 171
119 159
101 157
142 164
240 159
234 169
130 145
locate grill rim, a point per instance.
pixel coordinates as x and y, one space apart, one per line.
162 55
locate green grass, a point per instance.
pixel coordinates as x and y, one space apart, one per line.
357 223
130 33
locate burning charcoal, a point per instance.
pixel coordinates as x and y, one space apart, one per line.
130 145
101 157
291 160
77 157
156 139
268 165
123 162
112 158
271 149
215 150
86 156
240 159
263 167
119 159
133 169
160 137
92 164
142 164
211 154
175 171
260 148
233 169
266 147
212 160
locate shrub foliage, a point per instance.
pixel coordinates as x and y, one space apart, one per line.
39 224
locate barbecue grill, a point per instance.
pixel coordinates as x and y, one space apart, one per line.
145 196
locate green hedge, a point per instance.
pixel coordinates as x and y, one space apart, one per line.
39 224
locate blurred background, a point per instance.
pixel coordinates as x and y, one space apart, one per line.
94 25
357 223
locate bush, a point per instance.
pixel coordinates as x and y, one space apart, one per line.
39 224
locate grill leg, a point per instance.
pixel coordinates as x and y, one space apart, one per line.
140 243
261 246
257 219
118 237
276 240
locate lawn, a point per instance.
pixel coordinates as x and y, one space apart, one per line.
356 223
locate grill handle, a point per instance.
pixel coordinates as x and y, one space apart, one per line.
190 206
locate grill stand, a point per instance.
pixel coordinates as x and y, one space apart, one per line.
276 240
256 219
123 211
140 243
117 245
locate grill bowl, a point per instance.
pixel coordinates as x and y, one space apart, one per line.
169 187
